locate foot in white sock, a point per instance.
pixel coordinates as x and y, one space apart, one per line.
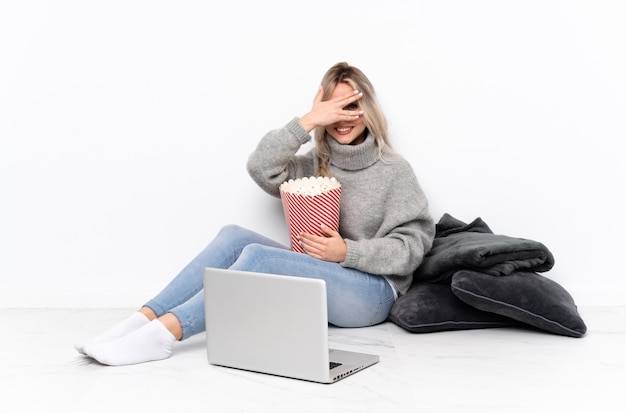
132 323
149 343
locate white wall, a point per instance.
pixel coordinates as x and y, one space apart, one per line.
125 127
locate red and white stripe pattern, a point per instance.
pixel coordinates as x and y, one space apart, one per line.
306 213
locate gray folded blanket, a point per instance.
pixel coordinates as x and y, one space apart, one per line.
460 246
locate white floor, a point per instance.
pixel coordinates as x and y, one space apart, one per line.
496 370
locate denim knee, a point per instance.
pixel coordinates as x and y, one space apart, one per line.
231 230
255 257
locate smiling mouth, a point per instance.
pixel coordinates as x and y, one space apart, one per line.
344 131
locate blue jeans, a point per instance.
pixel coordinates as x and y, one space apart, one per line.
355 298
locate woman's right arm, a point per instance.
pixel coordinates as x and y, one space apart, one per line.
274 160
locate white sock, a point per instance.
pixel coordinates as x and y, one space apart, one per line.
132 323
151 342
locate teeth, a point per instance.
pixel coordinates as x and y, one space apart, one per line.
343 129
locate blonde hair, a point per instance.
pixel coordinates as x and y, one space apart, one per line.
373 117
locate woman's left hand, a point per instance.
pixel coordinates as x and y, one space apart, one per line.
330 248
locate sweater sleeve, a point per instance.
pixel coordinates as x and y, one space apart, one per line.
274 160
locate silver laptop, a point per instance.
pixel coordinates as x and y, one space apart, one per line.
273 324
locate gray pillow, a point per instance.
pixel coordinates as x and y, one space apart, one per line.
523 296
428 308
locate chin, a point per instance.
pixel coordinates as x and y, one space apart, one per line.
345 140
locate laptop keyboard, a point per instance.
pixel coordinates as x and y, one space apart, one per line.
334 364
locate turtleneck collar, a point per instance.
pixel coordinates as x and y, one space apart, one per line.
353 157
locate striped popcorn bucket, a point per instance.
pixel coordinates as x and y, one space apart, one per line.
308 203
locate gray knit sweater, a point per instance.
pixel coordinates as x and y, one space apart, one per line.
384 216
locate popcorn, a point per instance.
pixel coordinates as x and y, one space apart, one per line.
309 203
310 186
